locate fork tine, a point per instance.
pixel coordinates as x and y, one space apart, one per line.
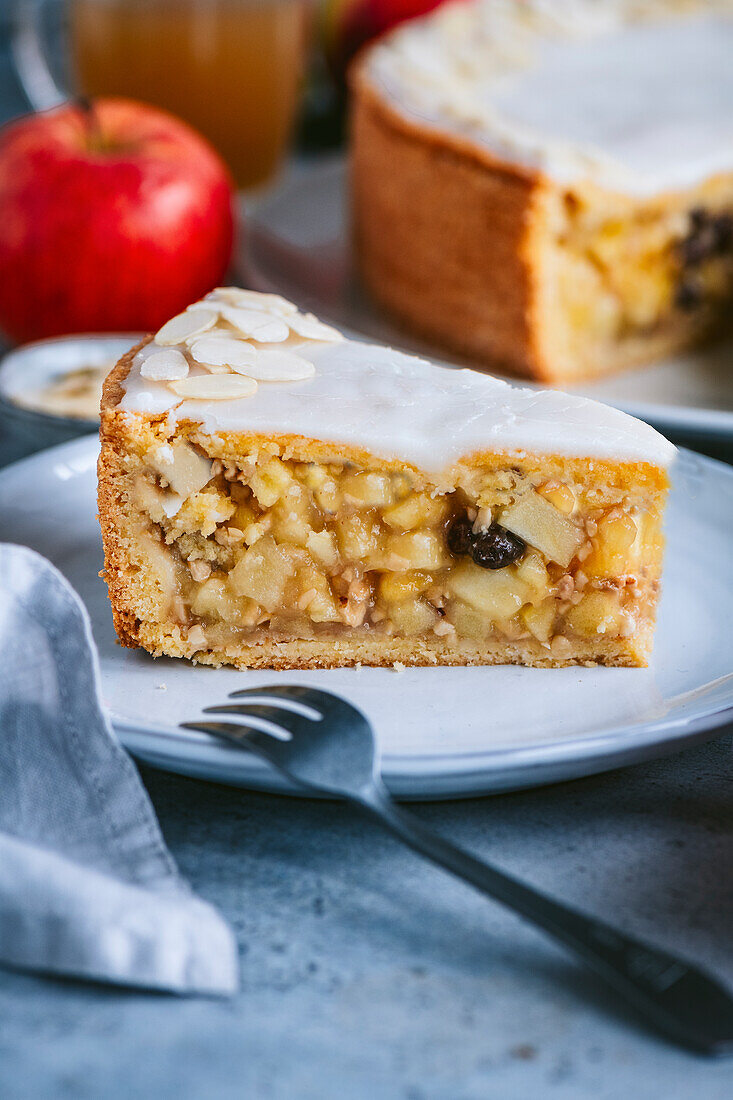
262 744
321 701
245 737
289 720
294 693
218 729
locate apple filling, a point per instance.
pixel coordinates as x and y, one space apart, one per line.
301 549
624 277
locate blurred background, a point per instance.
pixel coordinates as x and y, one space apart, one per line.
255 77
262 81
263 84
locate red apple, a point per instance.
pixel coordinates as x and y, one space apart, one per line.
350 24
114 216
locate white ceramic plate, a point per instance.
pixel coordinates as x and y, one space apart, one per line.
443 732
298 243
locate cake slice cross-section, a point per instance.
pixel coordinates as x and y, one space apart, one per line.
274 496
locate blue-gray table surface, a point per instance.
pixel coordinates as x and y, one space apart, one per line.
366 973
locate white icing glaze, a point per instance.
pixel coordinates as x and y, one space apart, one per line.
634 96
398 406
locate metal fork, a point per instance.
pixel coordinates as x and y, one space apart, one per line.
331 751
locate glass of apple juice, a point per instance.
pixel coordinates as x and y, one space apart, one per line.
233 69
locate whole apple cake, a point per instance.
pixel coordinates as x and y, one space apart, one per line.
548 187
272 495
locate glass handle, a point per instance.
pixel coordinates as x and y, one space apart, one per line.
29 56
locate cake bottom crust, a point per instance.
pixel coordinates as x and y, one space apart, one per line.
386 652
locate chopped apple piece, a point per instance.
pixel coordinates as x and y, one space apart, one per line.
317 599
395 587
328 498
215 600
244 516
270 482
559 495
261 573
499 593
417 510
469 622
313 474
358 537
203 512
413 616
531 570
421 549
611 555
540 619
368 489
597 613
322 545
321 482
543 526
293 519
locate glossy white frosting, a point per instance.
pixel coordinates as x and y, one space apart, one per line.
399 406
636 96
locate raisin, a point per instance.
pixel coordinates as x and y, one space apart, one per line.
688 295
725 233
709 235
495 547
460 536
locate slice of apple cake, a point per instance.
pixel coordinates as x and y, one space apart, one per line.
272 495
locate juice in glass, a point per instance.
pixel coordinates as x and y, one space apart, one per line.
231 68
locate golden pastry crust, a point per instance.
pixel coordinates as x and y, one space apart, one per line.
495 261
148 560
465 282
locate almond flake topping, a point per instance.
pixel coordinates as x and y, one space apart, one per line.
224 351
165 366
214 387
186 325
305 324
226 335
260 326
252 299
219 368
280 366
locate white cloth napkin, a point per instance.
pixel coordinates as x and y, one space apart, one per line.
87 885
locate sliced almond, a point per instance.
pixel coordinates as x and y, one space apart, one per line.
252 299
172 504
305 324
280 366
257 324
186 325
199 570
185 470
164 366
219 368
223 351
214 387
196 637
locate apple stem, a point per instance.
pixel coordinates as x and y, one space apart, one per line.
95 138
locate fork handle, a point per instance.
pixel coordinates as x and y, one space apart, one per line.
679 999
